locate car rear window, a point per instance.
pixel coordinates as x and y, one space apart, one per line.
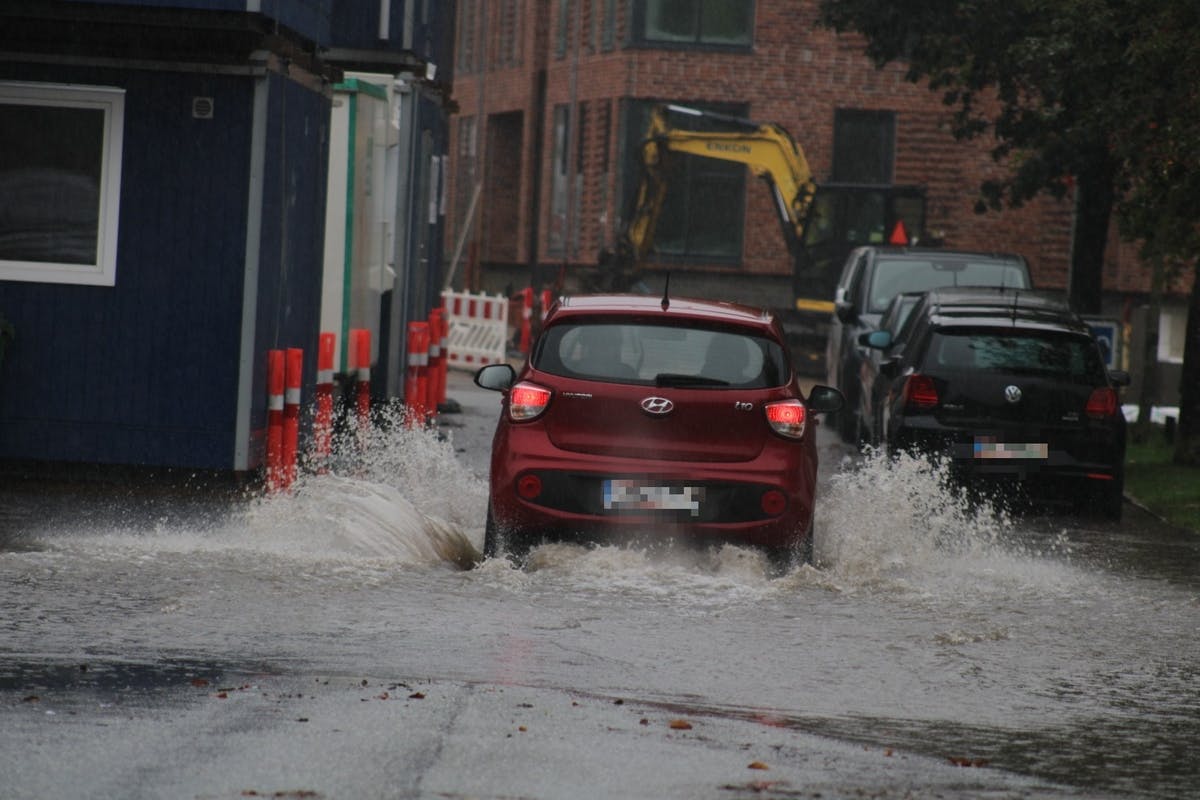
635 352
893 276
1062 355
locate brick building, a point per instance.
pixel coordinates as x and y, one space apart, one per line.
551 99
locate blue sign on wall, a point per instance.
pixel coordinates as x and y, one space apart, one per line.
1108 333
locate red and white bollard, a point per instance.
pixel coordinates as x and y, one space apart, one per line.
437 360
293 372
323 419
525 297
275 389
416 378
360 340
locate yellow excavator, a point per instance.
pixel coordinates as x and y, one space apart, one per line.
821 223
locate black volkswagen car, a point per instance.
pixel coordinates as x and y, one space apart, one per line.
1011 387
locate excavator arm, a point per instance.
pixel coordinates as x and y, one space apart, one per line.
767 149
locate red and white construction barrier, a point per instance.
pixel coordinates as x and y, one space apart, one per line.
478 326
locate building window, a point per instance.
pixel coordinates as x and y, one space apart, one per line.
467 57
864 146
559 180
60 182
608 25
726 23
562 38
703 213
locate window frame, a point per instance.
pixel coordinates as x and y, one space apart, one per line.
884 125
638 35
111 101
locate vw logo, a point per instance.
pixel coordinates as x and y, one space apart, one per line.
657 406
1012 393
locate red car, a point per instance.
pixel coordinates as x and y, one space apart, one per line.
654 419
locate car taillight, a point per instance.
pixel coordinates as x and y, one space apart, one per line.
529 486
1103 403
920 393
773 502
526 401
787 418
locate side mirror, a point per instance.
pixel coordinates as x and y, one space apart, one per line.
1119 377
497 377
824 399
876 340
845 312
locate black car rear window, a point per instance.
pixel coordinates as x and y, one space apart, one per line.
893 276
636 352
1067 356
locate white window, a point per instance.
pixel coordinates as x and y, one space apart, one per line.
1172 333
60 182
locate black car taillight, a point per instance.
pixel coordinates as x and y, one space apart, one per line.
527 401
920 393
1102 404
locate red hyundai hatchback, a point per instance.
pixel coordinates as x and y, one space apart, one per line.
647 419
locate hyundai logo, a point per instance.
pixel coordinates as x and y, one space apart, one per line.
659 406
1012 393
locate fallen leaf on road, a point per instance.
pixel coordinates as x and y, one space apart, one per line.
680 725
416 696
199 682
757 765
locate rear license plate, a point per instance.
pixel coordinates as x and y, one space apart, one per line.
986 447
627 495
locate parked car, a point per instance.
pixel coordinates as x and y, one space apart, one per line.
1011 387
871 277
872 386
641 418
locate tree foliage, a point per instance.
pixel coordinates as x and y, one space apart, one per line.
1099 96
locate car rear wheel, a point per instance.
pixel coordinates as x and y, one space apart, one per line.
498 542
1112 500
491 536
798 553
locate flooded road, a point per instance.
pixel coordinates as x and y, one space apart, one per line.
330 643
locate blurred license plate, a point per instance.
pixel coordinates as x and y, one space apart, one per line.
988 447
625 495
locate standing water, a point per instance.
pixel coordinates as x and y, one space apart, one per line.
931 625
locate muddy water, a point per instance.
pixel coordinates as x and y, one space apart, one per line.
930 626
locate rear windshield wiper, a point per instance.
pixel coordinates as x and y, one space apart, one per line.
674 379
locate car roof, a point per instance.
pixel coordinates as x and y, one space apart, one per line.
984 306
651 309
941 253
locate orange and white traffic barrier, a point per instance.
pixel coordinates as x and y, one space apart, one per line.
416 378
476 329
323 419
437 361
360 340
293 372
275 391
547 300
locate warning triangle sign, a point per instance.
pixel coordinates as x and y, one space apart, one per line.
899 235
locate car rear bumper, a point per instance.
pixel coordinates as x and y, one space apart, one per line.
1021 452
727 497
